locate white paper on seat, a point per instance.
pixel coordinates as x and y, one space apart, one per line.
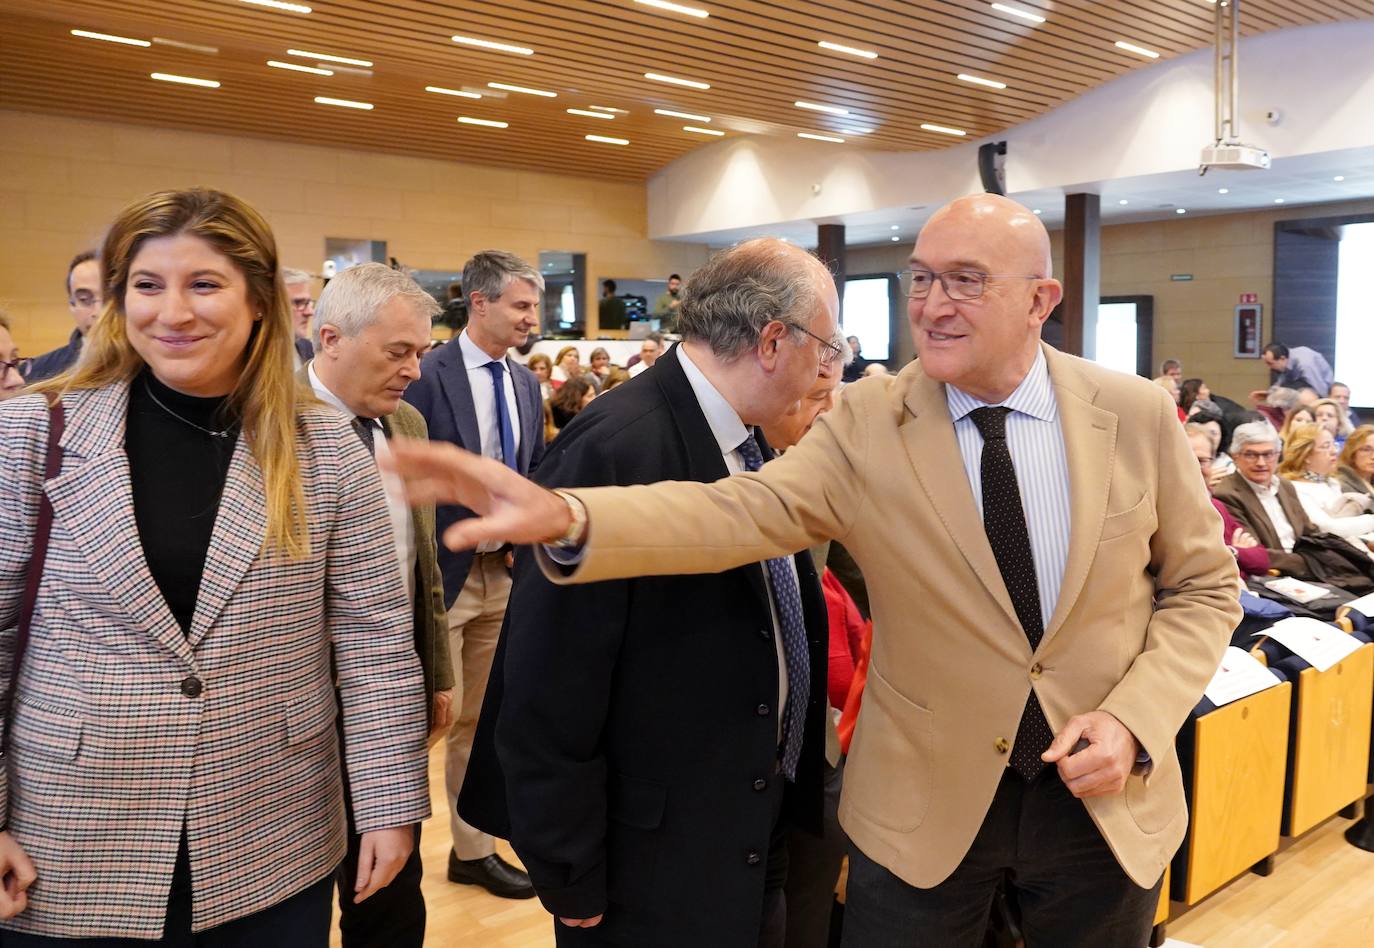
1240 675
1315 642
1297 590
1364 605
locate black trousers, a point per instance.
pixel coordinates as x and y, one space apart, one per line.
301 921
813 868
1071 891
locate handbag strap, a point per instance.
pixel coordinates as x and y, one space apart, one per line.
57 422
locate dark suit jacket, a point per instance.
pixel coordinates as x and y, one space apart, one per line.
1246 507
444 397
628 742
431 616
57 361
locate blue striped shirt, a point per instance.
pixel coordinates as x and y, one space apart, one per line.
1036 443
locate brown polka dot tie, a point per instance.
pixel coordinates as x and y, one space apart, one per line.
1004 521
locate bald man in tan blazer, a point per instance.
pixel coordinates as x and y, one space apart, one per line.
1137 607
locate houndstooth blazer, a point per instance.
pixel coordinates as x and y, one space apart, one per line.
125 729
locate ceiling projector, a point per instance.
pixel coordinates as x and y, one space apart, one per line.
1234 157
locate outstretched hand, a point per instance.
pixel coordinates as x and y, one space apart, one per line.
509 508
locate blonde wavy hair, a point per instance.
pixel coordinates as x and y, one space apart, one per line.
1298 448
266 399
1358 439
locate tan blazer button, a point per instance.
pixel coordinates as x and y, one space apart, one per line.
1036 671
1002 745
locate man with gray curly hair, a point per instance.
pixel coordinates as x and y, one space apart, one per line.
646 743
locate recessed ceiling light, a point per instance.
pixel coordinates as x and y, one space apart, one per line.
1180 210
1133 48
110 38
607 108
488 44
683 115
942 129
466 120
458 92
1123 202
351 70
896 239
343 103
896 227
1037 211
857 131
850 50
673 80
608 141
590 114
193 47
1223 190
184 80
1339 177
1016 11
821 138
675 8
1278 200
278 5
702 131
296 68
328 57
521 89
814 107
980 81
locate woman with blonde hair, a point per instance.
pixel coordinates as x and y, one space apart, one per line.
542 367
1331 416
1355 467
568 363
1309 460
1295 417
196 572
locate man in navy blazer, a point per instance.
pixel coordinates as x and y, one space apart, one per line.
473 395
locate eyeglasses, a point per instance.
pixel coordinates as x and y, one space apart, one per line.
958 284
829 350
85 299
301 302
1265 456
18 365
1366 449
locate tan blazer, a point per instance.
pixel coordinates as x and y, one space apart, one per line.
1145 611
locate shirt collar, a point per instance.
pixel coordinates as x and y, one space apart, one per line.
1034 396
1269 490
322 391
724 422
474 357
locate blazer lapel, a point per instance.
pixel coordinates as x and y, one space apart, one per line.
527 405
93 500
453 379
1090 443
236 541
934 454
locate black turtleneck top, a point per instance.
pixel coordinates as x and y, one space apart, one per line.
178 470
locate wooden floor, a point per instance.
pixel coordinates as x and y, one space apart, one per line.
1321 895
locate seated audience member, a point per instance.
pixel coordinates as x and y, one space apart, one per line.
1340 394
11 378
572 396
1172 368
566 365
542 367
1328 414
615 377
85 297
1214 425
1274 403
1191 392
600 369
1356 468
649 351
1307 396
1296 417
854 368
1298 367
1264 503
298 285
1251 558
1309 459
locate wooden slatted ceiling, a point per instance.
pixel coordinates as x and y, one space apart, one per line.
759 56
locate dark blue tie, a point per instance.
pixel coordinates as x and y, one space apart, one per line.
498 383
787 599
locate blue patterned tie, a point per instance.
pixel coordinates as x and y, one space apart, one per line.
498 382
787 599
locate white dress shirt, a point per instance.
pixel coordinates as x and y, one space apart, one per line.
729 432
484 406
398 510
1269 500
1324 503
1036 443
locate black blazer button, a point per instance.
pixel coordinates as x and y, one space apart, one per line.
760 784
762 710
753 858
191 686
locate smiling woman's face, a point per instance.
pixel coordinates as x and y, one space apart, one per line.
188 314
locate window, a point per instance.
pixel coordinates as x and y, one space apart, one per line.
868 314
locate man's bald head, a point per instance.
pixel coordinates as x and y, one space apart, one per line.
1023 234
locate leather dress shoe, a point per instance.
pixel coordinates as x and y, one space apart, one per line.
492 873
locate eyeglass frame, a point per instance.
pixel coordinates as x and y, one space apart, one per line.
1253 456
828 348
95 300
18 365
982 287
